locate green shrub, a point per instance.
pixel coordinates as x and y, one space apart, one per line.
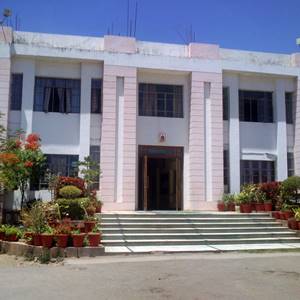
72 208
290 188
12 230
228 198
70 192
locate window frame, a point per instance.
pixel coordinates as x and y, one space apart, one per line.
289 108
290 163
226 102
16 91
72 84
156 97
96 86
261 109
257 168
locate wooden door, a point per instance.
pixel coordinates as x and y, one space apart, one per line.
178 184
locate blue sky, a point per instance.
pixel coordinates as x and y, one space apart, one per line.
259 25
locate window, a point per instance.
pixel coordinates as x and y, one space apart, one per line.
290 164
57 95
256 106
257 171
225 103
289 108
160 100
96 96
95 156
16 91
226 171
59 164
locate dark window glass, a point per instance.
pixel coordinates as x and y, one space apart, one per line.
226 171
160 100
290 164
57 95
289 108
16 91
225 103
256 171
95 156
256 106
96 96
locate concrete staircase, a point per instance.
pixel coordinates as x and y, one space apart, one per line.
193 231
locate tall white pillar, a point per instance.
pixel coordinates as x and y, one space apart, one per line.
280 118
28 96
234 134
85 111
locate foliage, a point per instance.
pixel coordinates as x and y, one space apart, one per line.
52 180
48 230
70 192
12 230
287 207
228 198
297 214
75 181
72 208
271 190
35 217
247 194
90 171
20 159
76 231
62 229
290 188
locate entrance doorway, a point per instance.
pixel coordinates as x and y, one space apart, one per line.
160 178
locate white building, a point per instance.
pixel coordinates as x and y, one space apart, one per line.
171 125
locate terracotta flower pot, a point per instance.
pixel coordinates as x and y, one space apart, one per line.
47 240
78 239
12 238
268 206
221 206
275 214
292 223
259 207
246 208
2 235
36 239
94 239
288 214
89 225
299 225
98 209
62 240
231 207
281 214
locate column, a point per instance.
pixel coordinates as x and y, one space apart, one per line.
28 96
85 111
118 143
280 118
234 134
297 131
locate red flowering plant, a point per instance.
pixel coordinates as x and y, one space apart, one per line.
272 191
20 159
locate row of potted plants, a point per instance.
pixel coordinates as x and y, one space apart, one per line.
10 233
291 214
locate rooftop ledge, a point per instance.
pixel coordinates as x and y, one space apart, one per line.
129 45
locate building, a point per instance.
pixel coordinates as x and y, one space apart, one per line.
172 126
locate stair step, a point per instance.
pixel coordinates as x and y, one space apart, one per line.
150 236
107 230
145 242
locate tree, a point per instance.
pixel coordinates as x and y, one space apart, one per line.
20 159
90 171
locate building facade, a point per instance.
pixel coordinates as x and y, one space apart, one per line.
172 126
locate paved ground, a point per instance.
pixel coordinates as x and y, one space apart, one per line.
160 276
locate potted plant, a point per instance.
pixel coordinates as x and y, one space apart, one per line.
78 238
268 206
12 233
62 233
245 202
297 216
2 232
259 199
229 202
293 223
286 211
89 223
47 237
221 205
94 237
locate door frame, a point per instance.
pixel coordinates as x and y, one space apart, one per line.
146 152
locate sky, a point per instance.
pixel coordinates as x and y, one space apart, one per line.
256 25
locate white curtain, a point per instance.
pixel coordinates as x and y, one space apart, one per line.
47 98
